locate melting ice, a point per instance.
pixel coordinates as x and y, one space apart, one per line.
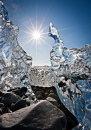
70 69
15 64
71 76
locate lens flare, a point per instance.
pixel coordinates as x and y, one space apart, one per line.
36 35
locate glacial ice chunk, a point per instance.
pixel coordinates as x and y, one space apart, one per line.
15 64
71 76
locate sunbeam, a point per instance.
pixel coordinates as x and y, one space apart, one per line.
36 34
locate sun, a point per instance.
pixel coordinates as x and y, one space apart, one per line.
36 35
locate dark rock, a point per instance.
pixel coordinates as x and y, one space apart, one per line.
71 119
0 111
13 89
39 94
53 96
19 91
6 110
51 92
0 99
1 105
41 116
19 104
9 98
22 91
0 93
52 100
45 95
1 108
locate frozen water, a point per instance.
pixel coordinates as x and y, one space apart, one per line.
40 76
15 64
73 68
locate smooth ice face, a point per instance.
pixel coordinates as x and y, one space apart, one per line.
71 76
15 64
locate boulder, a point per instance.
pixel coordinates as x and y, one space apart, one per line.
53 96
1 105
9 98
40 116
19 91
19 104
39 94
52 100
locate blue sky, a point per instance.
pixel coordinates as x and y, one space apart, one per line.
71 17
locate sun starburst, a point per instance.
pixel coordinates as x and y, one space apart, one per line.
35 35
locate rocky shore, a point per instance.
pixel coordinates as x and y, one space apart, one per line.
48 113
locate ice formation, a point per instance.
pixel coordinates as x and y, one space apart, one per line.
15 64
40 76
71 76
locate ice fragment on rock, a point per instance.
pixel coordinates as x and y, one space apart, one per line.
15 64
75 66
